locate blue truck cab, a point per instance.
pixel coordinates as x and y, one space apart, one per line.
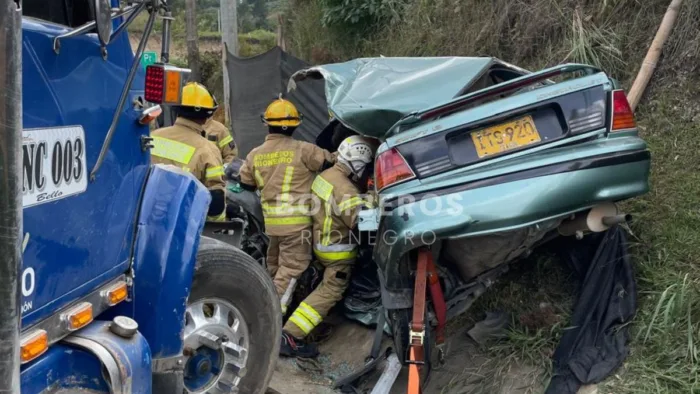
117 289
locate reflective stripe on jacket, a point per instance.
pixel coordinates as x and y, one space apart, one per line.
184 145
283 169
334 222
220 135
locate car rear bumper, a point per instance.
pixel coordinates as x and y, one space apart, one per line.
507 202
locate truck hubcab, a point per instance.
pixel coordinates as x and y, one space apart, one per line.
216 347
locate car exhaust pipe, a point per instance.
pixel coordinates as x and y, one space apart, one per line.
599 218
10 191
617 219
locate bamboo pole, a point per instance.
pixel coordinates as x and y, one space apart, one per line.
652 57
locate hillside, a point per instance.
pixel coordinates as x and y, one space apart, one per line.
613 34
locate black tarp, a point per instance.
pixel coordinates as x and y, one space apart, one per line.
596 343
258 80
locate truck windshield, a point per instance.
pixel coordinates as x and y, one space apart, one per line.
71 13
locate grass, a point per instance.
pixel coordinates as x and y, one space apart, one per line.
667 328
665 236
537 294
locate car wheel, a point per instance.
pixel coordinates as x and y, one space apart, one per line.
233 323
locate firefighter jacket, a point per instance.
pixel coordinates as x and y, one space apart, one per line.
283 169
185 146
334 222
219 135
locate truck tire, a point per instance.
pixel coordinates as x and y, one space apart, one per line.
227 282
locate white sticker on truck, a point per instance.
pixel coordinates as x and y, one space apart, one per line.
53 164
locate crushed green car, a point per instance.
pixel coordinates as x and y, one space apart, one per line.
482 162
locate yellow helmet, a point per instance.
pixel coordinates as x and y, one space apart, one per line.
197 101
281 113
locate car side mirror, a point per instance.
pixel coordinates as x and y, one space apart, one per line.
103 20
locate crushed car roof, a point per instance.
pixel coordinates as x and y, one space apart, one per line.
369 95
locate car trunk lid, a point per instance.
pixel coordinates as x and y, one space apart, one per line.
513 124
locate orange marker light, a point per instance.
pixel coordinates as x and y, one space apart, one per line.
78 317
150 114
33 345
172 87
116 293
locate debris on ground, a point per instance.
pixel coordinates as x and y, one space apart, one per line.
494 326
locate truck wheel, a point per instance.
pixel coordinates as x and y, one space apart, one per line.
233 323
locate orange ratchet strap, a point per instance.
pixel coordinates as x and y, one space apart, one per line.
438 301
417 328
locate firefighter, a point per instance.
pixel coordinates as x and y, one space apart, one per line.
185 145
339 192
219 135
283 169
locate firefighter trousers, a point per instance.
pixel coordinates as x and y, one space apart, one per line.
316 306
287 258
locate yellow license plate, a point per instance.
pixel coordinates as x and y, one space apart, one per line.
505 137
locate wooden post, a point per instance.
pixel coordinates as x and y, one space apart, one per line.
192 39
229 40
280 33
652 57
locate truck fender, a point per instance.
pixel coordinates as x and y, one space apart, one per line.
173 210
126 360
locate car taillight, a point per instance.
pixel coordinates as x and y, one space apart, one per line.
390 168
622 114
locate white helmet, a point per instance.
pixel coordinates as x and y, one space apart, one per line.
356 152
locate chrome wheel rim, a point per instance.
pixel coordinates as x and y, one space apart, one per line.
216 347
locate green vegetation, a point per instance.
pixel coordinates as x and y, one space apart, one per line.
362 15
254 23
532 33
613 34
253 38
256 42
252 15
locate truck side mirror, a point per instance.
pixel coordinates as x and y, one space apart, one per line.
103 20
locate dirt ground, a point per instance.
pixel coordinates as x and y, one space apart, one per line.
463 373
350 343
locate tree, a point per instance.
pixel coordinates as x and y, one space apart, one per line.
259 10
246 21
252 15
192 39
